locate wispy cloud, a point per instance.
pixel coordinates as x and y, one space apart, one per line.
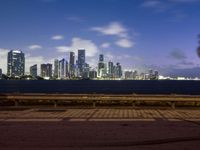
105 45
118 30
113 28
34 47
124 43
156 5
57 37
78 43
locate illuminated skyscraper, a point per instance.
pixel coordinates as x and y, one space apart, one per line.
81 61
66 69
101 66
15 63
62 69
56 68
71 64
110 69
118 71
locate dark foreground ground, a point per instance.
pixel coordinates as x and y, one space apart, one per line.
99 129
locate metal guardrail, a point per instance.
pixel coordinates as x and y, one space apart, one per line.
94 98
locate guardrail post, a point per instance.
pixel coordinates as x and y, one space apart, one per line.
133 104
16 102
55 103
173 104
134 100
94 104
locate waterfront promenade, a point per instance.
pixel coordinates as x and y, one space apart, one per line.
101 128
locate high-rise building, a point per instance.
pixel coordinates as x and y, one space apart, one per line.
49 70
46 70
101 67
86 71
15 63
0 73
101 58
128 75
66 69
43 69
81 61
151 74
92 74
110 69
56 68
72 65
62 69
118 71
33 70
156 75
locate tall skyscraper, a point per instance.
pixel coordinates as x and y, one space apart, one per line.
118 70
101 66
71 65
46 70
110 69
33 70
15 63
101 58
56 68
81 61
62 69
66 69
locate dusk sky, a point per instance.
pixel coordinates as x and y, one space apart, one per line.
139 34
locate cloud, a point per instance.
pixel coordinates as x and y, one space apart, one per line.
3 59
186 63
105 45
118 30
113 28
178 54
57 37
114 57
124 43
78 43
157 5
34 47
63 49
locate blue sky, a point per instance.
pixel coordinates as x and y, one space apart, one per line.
140 34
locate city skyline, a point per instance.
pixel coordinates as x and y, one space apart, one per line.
140 34
75 68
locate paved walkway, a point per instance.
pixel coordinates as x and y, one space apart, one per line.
43 114
100 129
